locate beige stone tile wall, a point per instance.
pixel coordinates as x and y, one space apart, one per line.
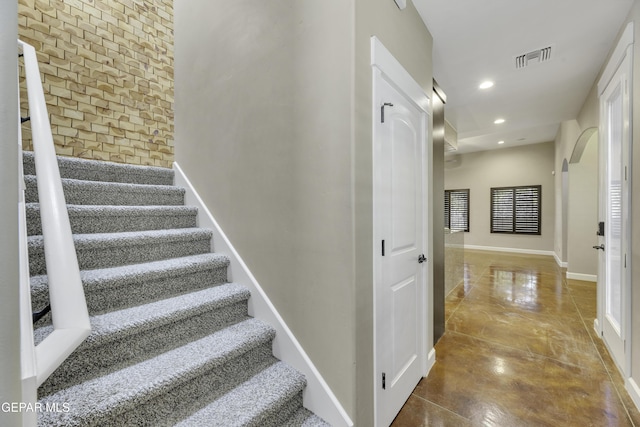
107 70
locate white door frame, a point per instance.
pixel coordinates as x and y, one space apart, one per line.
384 65
623 50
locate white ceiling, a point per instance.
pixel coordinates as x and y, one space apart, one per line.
478 40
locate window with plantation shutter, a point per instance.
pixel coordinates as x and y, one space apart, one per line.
516 210
456 209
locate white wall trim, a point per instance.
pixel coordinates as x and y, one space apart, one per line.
580 276
634 391
401 4
431 360
626 39
318 396
385 67
619 70
561 264
513 250
384 61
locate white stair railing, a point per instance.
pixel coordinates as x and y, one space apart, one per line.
66 295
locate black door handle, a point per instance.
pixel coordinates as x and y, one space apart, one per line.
421 259
599 247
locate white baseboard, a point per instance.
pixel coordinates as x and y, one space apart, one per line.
317 396
634 391
512 250
580 276
431 360
596 327
561 264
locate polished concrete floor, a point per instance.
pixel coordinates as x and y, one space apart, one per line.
519 350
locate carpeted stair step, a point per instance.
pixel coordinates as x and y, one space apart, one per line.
122 338
92 170
115 288
103 250
267 400
171 339
81 192
167 388
113 219
305 418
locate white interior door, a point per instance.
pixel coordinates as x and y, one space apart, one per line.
400 221
614 207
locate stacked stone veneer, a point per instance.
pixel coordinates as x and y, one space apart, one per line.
107 69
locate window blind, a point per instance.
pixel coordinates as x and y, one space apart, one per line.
516 210
456 209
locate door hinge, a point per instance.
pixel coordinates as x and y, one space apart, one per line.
383 248
625 260
625 173
384 381
386 104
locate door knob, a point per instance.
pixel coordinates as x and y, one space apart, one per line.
421 259
599 247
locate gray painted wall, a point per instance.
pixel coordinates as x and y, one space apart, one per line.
263 131
583 211
589 117
566 138
526 165
273 127
10 390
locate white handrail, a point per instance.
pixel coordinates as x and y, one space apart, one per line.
27 349
66 295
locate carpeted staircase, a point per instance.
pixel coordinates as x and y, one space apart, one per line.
171 340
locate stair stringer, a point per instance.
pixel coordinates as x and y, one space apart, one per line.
317 396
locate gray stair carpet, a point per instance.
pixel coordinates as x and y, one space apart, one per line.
112 219
171 342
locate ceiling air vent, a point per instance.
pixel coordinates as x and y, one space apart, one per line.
533 57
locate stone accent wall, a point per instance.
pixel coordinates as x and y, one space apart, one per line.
107 69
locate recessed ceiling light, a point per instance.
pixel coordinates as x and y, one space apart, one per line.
500 142
498 121
486 84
